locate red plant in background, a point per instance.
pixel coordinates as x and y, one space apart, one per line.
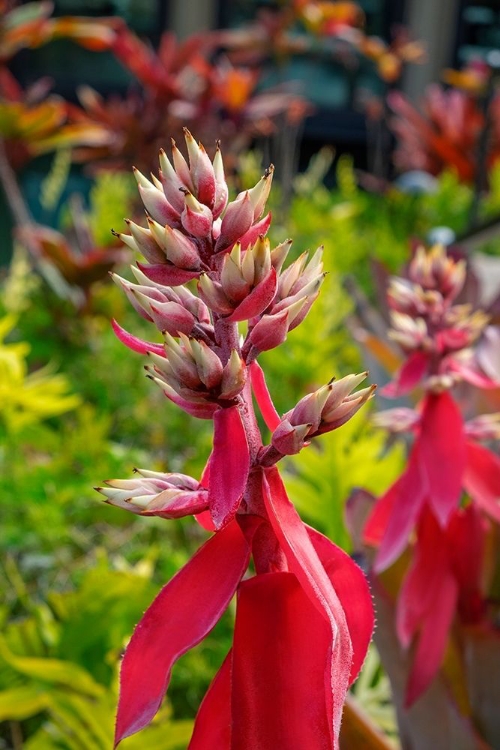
179 84
304 620
32 122
339 24
442 507
445 133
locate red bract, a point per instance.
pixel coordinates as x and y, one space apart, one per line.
304 621
425 511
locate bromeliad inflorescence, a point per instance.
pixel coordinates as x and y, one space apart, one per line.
304 620
441 507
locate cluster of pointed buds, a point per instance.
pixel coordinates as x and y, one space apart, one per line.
322 411
152 493
195 235
445 342
437 271
195 372
422 314
189 218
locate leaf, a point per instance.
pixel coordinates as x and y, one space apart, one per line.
229 465
282 647
482 478
21 703
212 727
186 609
263 397
304 562
53 671
443 453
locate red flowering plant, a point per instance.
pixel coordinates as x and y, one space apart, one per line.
445 132
305 618
433 527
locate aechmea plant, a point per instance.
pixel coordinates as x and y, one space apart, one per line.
305 618
443 505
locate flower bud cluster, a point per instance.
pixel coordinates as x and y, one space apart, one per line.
189 217
211 268
152 493
195 371
195 235
423 315
322 411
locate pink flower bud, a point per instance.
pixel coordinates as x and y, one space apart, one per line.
310 409
334 418
213 295
279 254
234 376
289 439
172 185
236 221
157 205
196 218
131 293
180 250
260 193
166 274
171 317
208 364
269 332
202 171
144 243
181 167
221 189
155 494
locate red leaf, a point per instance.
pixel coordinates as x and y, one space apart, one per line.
212 726
378 519
410 374
229 466
263 397
304 562
351 587
137 345
482 478
443 453
185 610
281 653
423 579
405 499
466 539
433 638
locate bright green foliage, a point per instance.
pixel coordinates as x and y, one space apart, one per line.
58 664
111 198
320 478
28 398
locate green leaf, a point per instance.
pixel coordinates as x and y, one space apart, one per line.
53 671
21 703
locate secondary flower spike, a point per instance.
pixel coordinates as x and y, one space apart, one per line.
307 610
438 510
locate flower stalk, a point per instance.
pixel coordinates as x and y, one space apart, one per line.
240 301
